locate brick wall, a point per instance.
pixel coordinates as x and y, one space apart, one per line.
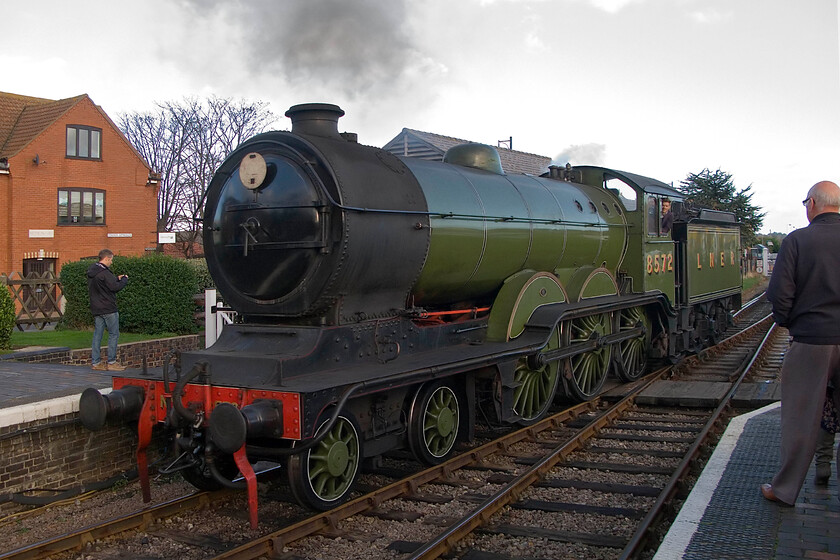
5 232
130 205
130 355
59 454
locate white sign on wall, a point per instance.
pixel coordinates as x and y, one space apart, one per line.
41 233
166 237
119 235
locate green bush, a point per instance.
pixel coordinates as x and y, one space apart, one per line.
157 299
205 281
77 301
7 317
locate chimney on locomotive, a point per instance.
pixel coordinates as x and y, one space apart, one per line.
316 119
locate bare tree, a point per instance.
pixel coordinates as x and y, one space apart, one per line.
186 142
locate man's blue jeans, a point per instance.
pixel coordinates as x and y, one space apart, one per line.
111 321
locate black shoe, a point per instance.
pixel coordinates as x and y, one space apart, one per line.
822 475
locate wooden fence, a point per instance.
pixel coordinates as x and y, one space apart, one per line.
37 298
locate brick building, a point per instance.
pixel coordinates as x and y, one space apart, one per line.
70 184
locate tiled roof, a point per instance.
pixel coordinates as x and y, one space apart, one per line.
23 118
427 145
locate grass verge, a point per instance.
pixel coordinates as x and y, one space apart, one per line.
750 282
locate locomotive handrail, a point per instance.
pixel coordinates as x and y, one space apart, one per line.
307 163
311 168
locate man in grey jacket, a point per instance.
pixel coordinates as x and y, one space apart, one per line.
805 293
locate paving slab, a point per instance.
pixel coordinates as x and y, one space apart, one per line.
23 383
669 392
726 518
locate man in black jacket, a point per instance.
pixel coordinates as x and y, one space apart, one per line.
103 286
805 293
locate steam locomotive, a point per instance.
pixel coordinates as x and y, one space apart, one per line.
388 302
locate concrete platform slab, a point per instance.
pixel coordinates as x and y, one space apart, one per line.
707 394
22 383
757 395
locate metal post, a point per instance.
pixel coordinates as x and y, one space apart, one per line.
210 323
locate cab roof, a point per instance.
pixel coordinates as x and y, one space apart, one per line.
645 184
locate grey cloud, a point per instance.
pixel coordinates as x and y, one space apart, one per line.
355 46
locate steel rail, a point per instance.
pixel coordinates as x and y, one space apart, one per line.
447 539
271 543
749 305
138 520
638 539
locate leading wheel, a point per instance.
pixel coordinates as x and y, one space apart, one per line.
323 476
585 373
536 387
633 352
433 425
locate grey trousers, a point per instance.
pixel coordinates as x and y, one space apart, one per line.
806 371
825 448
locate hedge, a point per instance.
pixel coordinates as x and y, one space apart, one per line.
7 316
205 281
157 299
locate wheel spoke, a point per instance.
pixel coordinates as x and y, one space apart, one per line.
536 387
339 450
588 370
437 424
634 351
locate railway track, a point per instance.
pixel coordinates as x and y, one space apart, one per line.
751 312
539 471
592 479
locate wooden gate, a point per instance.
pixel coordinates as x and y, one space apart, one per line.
36 296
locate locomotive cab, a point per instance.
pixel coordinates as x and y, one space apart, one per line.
693 263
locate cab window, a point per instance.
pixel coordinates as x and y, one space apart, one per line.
659 219
652 216
625 193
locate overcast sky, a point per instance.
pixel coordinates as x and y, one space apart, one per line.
657 87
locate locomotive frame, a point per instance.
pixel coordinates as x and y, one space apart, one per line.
389 303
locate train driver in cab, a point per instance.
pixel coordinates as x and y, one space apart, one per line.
667 217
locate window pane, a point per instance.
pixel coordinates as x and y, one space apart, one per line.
71 141
99 211
87 206
94 143
84 142
75 201
652 216
623 191
62 207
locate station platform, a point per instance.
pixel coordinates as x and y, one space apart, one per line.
30 392
726 518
